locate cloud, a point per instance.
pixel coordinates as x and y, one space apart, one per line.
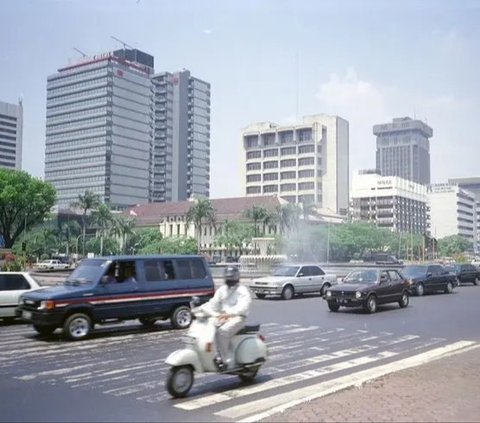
208 31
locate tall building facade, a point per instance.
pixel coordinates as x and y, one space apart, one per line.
99 130
11 135
453 211
403 149
390 202
307 162
182 137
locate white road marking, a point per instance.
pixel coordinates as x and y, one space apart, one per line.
280 382
281 402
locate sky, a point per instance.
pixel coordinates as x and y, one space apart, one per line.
278 60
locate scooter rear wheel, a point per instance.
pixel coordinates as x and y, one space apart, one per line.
179 381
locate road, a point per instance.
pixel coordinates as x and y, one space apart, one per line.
119 373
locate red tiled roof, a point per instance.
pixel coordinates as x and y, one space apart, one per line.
225 209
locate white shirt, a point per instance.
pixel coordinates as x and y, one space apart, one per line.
234 301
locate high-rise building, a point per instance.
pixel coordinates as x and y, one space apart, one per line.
302 163
453 211
470 184
403 149
182 137
99 134
390 202
11 134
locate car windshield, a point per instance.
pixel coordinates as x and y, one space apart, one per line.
89 271
362 276
285 271
414 271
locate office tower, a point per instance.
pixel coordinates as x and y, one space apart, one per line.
403 149
99 134
11 131
182 137
303 163
390 202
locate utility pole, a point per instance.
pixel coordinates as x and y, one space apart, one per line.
80 51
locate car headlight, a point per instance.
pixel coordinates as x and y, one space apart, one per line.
329 293
47 305
358 294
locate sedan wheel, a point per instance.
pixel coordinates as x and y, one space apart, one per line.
449 288
261 296
287 293
324 289
420 290
371 305
404 300
333 306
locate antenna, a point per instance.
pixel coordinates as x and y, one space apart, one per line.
80 51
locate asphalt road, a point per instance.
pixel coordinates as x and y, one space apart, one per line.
119 373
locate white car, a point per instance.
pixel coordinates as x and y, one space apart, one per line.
12 285
52 265
288 280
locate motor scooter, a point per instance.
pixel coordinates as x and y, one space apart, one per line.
248 353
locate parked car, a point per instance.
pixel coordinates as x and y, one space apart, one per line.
465 273
287 280
52 264
367 288
429 278
117 288
382 259
12 285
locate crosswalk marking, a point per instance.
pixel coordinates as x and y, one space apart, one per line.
281 402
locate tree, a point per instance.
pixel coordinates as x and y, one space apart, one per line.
24 202
287 216
104 219
235 235
453 245
123 227
200 212
86 202
148 241
67 231
258 214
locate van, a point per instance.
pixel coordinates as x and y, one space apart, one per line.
107 289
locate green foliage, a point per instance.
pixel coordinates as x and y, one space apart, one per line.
147 241
259 215
107 246
235 235
200 212
452 245
86 202
25 201
181 245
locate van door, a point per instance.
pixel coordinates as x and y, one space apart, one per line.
119 297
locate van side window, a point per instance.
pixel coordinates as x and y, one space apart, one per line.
158 270
191 269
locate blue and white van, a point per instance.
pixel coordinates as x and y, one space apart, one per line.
106 289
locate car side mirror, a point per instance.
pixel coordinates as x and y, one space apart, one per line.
300 274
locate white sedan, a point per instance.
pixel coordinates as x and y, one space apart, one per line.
290 279
12 285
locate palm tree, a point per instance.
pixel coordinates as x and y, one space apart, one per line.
258 214
200 212
103 218
86 202
123 227
287 217
66 231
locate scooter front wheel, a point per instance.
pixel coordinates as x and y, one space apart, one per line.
248 376
179 381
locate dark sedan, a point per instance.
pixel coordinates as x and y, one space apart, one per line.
429 278
368 287
465 273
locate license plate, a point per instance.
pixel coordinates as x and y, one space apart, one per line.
343 301
27 314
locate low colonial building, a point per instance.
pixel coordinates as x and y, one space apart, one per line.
170 218
390 202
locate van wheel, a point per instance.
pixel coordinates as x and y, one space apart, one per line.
77 326
287 293
147 321
404 300
44 330
420 290
181 317
449 288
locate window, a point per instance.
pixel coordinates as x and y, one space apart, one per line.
254 155
288 187
306 185
254 166
13 283
270 165
270 188
305 161
288 150
270 176
254 178
309 173
394 276
288 175
306 149
270 153
316 271
288 163
253 190
190 269
158 270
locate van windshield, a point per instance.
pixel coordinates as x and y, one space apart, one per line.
89 272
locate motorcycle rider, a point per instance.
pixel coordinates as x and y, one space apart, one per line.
230 305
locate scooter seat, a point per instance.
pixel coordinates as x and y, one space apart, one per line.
249 329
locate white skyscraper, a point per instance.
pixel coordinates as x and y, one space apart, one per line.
11 134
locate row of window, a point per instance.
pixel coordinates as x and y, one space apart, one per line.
82 133
77 106
73 126
9 124
79 152
84 95
66 91
7 117
286 151
88 180
78 115
4 137
62 79
7 164
8 144
8 131
89 170
268 189
310 173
